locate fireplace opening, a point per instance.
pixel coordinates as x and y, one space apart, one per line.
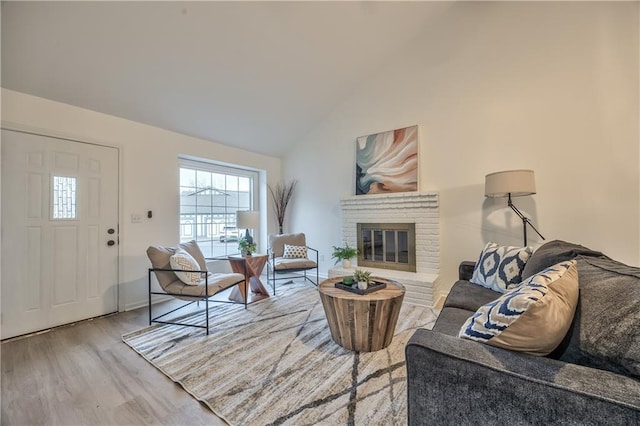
387 245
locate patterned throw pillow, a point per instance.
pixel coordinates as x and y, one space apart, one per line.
294 252
533 317
500 266
183 261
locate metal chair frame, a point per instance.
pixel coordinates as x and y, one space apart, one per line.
196 299
271 271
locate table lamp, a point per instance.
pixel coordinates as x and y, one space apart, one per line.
247 219
512 183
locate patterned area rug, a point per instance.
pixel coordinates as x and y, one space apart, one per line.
276 363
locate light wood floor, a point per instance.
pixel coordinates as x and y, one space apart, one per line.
84 374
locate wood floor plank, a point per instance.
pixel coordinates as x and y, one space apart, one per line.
84 374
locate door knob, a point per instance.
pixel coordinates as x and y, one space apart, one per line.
110 231
110 242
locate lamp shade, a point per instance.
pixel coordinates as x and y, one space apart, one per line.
247 219
514 182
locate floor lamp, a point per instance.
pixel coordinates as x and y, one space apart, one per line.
512 183
247 219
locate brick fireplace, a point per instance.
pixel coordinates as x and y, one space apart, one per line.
418 208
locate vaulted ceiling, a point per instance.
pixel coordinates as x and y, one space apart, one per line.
255 75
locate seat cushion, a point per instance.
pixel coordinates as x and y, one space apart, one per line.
533 317
281 263
552 253
606 328
217 283
277 242
469 296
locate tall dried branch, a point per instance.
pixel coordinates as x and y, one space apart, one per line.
281 196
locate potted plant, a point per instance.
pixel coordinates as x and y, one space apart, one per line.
344 254
363 278
245 247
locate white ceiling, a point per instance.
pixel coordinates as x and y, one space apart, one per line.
255 75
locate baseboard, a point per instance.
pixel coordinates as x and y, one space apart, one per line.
144 303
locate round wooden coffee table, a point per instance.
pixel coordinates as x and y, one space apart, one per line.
363 323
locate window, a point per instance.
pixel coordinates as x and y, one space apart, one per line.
210 196
64 193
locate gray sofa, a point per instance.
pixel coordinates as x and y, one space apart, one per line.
592 378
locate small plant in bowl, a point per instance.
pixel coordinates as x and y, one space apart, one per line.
344 254
363 278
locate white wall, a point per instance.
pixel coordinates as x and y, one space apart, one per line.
495 86
149 174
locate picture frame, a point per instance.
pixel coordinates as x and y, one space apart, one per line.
387 162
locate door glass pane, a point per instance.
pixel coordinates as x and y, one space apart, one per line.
64 195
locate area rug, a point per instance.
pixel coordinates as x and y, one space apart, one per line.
276 363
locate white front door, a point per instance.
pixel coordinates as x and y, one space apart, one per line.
59 231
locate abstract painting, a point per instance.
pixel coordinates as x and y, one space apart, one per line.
387 162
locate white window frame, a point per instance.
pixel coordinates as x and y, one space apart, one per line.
209 243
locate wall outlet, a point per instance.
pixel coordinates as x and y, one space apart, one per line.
322 258
136 218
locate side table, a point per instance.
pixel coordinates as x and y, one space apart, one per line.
255 265
363 323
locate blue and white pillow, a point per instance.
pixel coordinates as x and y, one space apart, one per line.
500 266
533 317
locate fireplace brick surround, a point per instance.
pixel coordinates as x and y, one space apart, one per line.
410 207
